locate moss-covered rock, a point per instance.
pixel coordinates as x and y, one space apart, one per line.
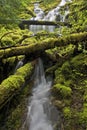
62 90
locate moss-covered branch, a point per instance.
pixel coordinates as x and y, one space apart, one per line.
12 85
53 23
37 48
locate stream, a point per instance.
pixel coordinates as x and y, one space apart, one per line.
42 115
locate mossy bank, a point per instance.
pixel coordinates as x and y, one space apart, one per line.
70 92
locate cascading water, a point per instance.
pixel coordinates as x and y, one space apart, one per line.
41 113
51 16
19 64
38 118
39 16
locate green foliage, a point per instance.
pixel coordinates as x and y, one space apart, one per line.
67 113
77 17
8 41
85 97
73 75
14 36
16 117
63 90
49 4
59 77
14 83
10 10
9 86
80 61
25 70
13 80
66 70
83 116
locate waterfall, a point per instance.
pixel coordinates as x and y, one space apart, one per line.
51 16
42 115
39 16
40 95
38 118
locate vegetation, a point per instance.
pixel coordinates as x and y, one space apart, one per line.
68 54
70 75
13 83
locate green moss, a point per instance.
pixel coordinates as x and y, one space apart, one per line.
67 113
7 41
79 60
13 121
67 70
59 77
49 4
17 114
77 17
14 82
83 116
85 97
67 101
72 74
63 90
25 70
13 37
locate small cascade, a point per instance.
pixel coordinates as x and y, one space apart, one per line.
19 64
38 118
39 16
42 115
52 15
64 16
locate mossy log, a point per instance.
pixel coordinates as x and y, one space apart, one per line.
59 61
35 49
49 23
13 84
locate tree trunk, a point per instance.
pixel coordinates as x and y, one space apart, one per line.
35 49
49 23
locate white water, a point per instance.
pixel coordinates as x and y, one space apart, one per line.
42 115
36 117
51 16
19 64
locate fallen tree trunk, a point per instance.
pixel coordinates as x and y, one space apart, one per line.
13 84
49 23
59 61
35 49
